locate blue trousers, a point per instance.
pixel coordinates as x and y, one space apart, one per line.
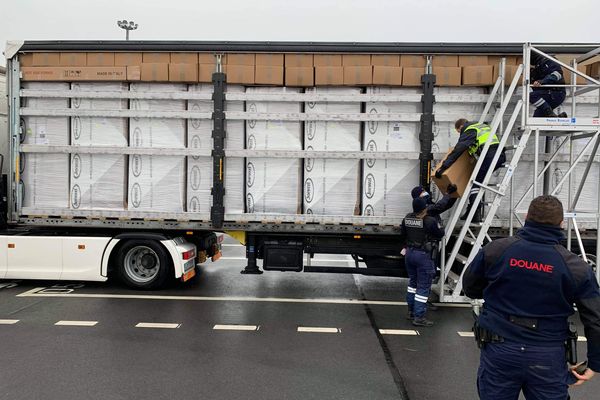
485 166
506 369
421 271
543 98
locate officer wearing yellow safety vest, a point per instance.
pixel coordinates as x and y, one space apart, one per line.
473 136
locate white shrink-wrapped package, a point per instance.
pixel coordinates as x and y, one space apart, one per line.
331 186
98 181
156 182
46 175
273 184
200 169
387 183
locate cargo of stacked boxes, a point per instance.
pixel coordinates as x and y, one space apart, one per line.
387 183
273 185
157 182
331 186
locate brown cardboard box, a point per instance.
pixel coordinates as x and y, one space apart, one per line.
100 59
495 60
447 76
270 59
594 70
155 58
210 58
327 76
469 61
299 76
241 59
444 60
239 73
510 72
268 74
26 60
183 72
358 75
73 59
46 59
184 58
73 73
385 60
355 60
205 72
383 75
478 75
127 59
327 60
569 75
412 61
412 76
154 72
299 60
134 73
458 173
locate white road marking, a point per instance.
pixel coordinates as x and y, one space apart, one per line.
313 329
582 339
466 334
8 321
76 323
157 325
236 327
232 245
407 332
35 293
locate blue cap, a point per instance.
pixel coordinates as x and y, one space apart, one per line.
416 192
419 204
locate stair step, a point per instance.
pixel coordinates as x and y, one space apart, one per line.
454 276
461 259
469 240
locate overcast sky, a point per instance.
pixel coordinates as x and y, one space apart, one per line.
309 20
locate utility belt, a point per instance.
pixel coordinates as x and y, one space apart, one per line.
483 335
427 247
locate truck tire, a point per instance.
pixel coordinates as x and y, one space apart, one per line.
144 264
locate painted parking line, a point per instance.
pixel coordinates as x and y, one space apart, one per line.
8 321
157 325
76 323
314 329
406 332
466 334
236 327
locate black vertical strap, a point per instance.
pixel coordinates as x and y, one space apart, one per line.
426 134
217 211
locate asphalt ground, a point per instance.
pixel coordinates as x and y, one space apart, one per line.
224 335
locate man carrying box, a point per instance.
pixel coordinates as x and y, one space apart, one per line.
473 136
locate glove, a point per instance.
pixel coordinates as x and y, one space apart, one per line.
439 172
451 188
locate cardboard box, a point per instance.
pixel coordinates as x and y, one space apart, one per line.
127 59
183 72
385 60
444 61
355 60
447 76
26 60
134 73
470 61
268 75
299 76
154 72
594 70
389 76
580 79
205 72
210 58
184 58
495 60
100 59
73 73
46 59
459 174
243 74
412 76
299 60
269 59
156 58
478 75
509 71
326 76
412 61
241 59
358 75
73 59
327 60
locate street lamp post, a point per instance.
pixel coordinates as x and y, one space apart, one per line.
128 26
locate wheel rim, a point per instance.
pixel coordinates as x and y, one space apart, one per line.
141 264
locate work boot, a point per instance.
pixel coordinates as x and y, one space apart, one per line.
410 316
562 115
422 322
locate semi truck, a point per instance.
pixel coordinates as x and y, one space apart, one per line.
131 158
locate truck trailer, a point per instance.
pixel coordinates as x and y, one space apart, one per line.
127 158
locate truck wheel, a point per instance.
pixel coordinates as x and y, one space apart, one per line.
143 264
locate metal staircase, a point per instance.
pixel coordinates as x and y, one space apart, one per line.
463 242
